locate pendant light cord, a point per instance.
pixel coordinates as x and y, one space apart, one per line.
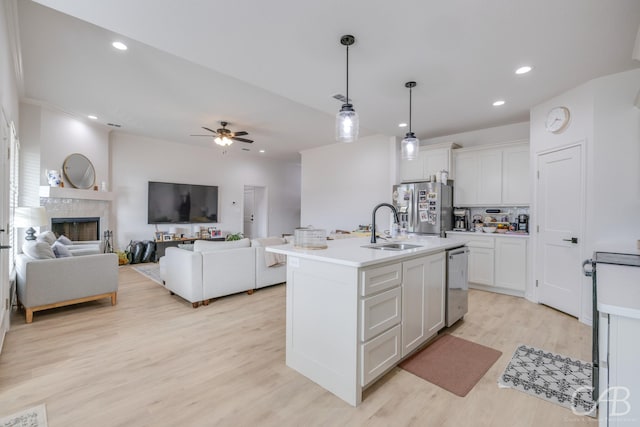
410 89
347 102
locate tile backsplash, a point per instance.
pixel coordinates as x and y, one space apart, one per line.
511 213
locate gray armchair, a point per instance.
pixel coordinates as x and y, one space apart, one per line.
50 283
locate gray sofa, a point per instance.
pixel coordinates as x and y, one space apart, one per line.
50 283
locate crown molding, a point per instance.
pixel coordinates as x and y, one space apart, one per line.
13 35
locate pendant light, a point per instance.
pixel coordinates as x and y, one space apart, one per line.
347 119
409 145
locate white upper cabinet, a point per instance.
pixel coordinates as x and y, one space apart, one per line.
431 160
490 176
515 175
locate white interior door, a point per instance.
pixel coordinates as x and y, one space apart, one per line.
255 212
559 217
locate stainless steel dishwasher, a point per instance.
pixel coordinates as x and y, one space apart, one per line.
457 284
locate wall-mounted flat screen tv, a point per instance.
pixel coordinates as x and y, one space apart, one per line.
171 203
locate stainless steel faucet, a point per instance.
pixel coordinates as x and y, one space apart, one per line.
373 219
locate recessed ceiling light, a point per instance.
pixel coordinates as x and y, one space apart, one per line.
524 69
119 45
498 103
402 125
262 151
93 117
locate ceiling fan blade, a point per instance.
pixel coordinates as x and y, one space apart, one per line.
241 133
210 130
242 140
210 136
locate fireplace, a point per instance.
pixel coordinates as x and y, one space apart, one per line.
77 229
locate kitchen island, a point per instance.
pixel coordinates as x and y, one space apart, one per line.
354 312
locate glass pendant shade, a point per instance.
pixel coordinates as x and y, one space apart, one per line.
409 147
347 124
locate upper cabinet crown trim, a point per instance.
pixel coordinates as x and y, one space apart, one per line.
501 145
450 145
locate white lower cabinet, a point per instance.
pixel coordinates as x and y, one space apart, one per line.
380 354
380 312
619 386
399 319
497 263
481 255
422 300
511 263
481 266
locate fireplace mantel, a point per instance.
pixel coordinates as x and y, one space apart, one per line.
74 193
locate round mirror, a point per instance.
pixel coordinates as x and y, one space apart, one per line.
79 171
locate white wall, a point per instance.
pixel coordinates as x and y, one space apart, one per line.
47 137
494 135
604 117
62 135
136 160
342 183
8 83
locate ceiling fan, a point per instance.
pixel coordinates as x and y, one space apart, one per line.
224 136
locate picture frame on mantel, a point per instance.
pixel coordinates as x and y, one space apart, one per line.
158 236
167 237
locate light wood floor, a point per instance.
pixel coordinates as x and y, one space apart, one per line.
153 360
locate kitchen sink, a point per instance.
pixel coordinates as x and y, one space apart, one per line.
392 246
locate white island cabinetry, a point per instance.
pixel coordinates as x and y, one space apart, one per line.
422 300
353 313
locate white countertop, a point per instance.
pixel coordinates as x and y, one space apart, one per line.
483 234
619 290
351 253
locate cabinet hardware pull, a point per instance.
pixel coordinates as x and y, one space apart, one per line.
572 240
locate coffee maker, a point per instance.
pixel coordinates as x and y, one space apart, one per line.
460 219
523 223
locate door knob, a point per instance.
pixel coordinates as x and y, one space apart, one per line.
572 240
5 247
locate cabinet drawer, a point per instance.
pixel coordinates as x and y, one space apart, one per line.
481 242
379 354
378 279
380 312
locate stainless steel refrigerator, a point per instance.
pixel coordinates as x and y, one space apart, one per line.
424 207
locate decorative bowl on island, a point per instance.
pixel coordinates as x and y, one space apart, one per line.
489 229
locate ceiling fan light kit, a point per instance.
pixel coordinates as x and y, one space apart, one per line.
410 144
347 122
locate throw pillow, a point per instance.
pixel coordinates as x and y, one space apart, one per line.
65 240
60 250
38 250
47 237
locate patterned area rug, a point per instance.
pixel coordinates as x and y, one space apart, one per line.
151 270
552 377
33 417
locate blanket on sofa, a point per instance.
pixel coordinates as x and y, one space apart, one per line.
271 259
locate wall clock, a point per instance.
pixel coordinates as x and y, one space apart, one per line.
557 119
